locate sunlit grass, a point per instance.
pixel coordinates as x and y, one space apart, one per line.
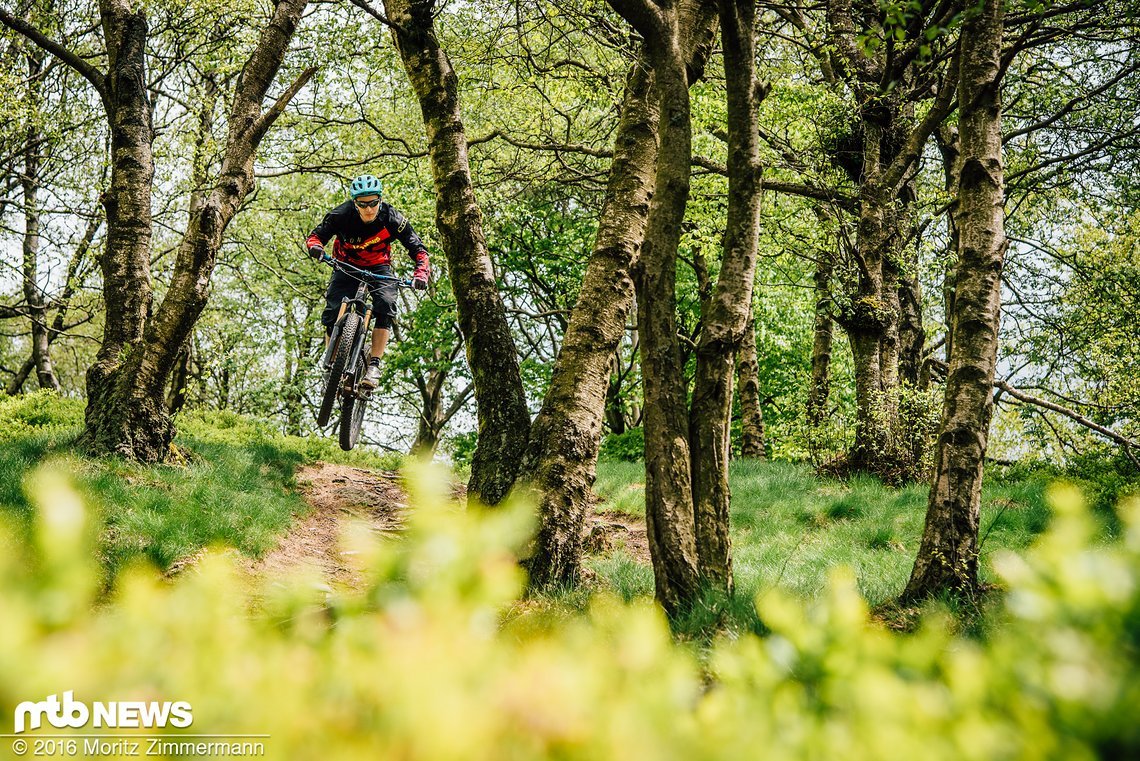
233 482
790 528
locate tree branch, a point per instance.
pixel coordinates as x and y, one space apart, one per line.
89 72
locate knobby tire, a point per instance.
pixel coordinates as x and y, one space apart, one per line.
352 413
336 371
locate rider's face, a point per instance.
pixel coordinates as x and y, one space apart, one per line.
368 207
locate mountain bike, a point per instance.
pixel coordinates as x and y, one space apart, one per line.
344 361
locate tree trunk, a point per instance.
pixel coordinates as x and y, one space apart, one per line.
950 147
947 560
504 422
112 423
748 391
71 283
728 316
822 333
614 415
668 485
562 456
128 415
29 181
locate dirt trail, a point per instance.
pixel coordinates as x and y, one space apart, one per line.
340 493
337 494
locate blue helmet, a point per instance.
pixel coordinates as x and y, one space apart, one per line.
366 185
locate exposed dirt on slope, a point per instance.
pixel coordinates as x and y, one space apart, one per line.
339 494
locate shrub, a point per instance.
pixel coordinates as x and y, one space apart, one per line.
41 412
623 447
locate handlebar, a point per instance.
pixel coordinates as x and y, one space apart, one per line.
361 274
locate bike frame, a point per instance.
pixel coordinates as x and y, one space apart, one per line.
362 304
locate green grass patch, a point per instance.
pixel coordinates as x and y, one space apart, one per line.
234 487
791 528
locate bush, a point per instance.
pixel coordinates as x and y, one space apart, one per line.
419 665
623 447
43 413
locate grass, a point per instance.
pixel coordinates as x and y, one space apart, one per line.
235 485
790 528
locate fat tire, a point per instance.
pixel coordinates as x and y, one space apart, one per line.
336 370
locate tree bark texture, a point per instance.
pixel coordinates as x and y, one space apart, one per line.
112 424
881 311
950 148
562 456
504 422
33 295
947 559
822 336
668 486
748 392
729 310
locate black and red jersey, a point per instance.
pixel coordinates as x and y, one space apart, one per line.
367 244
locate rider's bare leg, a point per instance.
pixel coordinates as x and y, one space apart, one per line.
379 342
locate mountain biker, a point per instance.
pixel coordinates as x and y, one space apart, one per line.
364 227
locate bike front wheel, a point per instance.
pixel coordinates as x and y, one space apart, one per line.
352 414
345 341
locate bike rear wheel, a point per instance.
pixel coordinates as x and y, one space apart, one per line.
352 413
345 341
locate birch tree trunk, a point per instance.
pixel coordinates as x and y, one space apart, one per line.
822 336
668 486
504 422
29 182
947 560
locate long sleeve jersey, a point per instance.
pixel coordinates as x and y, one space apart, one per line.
368 244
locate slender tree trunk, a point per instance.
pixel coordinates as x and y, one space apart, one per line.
71 283
562 456
912 334
615 415
949 146
948 557
504 422
748 391
670 518
33 295
728 316
822 334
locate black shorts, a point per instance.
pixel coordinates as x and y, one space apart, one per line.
343 285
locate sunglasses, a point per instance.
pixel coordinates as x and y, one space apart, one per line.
367 204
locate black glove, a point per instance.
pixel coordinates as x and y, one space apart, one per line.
420 283
317 252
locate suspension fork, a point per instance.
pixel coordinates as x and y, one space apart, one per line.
358 344
334 336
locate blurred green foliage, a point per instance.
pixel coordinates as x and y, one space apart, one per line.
421 665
